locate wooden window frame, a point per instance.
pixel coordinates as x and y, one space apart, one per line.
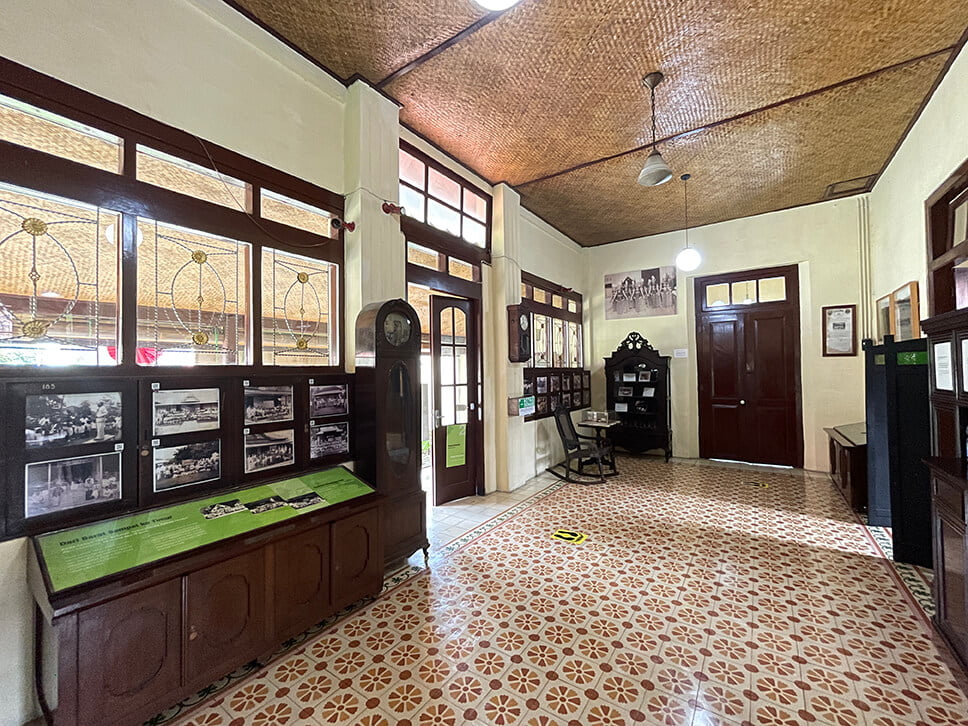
122 192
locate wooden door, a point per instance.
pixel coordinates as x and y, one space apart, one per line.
357 549
300 566
748 343
129 655
457 429
225 616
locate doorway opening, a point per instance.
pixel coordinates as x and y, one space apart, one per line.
748 361
451 425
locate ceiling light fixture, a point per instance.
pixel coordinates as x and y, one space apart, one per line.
655 171
689 258
496 5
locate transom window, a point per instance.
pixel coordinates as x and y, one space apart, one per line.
431 194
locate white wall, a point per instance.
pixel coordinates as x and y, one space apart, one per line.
822 239
198 66
933 149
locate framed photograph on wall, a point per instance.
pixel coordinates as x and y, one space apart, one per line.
188 464
839 330
905 312
885 318
269 450
61 485
268 404
185 410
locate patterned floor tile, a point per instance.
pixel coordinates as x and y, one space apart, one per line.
696 599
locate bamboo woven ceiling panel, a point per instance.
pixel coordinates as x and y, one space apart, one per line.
558 82
785 96
365 37
772 160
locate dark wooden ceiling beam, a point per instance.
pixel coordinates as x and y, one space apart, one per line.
745 114
438 49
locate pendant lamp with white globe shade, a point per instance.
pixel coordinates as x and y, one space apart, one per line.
688 258
655 171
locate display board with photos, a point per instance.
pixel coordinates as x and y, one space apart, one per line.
71 449
554 388
81 450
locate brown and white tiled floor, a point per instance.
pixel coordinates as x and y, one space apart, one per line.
703 595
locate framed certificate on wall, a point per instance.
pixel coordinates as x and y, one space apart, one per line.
839 330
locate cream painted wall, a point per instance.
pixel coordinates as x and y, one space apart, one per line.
199 66
933 149
822 239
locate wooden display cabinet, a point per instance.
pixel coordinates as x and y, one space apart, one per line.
637 386
137 641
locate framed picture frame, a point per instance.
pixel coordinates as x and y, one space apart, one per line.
625 392
839 330
885 317
905 312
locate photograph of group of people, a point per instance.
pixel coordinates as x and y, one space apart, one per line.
269 450
641 293
178 466
63 484
72 419
329 439
268 404
185 410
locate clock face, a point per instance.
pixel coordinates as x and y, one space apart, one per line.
396 328
524 322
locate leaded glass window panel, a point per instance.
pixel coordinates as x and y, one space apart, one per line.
58 281
298 325
193 297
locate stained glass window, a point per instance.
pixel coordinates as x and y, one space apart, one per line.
58 281
193 297
299 300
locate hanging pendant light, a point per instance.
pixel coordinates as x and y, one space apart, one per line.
689 258
655 171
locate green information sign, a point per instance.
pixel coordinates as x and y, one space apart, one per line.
82 554
913 358
456 445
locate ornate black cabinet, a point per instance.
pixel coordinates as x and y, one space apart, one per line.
388 444
637 386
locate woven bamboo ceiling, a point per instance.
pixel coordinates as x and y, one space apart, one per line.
766 102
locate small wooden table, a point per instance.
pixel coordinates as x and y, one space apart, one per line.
848 462
601 440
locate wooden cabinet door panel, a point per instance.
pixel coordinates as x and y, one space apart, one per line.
129 654
357 547
225 616
951 564
301 572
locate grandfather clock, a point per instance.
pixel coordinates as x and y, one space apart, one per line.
388 421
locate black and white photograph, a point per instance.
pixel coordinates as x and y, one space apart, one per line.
528 387
621 407
541 384
268 404
641 294
221 509
645 376
269 450
625 391
575 381
541 404
305 500
265 505
629 378
179 466
72 419
64 484
329 439
566 382
648 392
586 379
328 401
555 384
185 410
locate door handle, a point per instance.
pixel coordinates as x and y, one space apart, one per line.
437 418
472 406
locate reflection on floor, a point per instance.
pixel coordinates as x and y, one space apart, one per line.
703 595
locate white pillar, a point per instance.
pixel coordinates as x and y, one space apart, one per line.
375 253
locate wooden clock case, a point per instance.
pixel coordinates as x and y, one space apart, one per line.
519 336
388 444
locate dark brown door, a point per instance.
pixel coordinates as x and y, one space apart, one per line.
357 557
454 348
300 565
748 342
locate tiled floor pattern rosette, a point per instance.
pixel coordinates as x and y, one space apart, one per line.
696 599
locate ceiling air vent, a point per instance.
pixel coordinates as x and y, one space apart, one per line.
851 186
